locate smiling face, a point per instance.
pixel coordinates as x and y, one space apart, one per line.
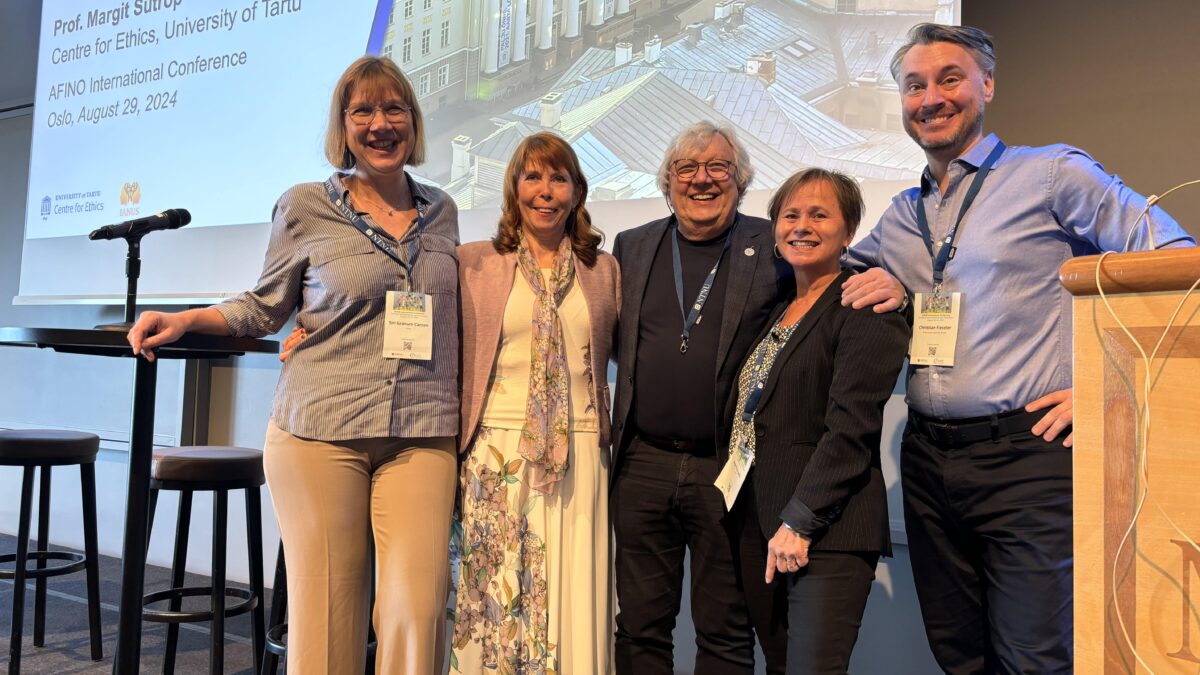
380 147
944 93
705 206
811 231
546 197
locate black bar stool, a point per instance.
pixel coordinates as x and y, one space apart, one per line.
218 469
33 449
276 644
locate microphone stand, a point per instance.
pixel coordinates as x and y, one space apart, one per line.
133 270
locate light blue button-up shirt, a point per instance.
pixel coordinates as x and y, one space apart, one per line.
1038 208
337 385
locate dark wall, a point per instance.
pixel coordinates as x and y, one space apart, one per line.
1118 78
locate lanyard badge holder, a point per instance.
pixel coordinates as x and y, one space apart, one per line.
936 314
408 314
737 467
691 318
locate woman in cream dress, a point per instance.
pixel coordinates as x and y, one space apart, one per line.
539 306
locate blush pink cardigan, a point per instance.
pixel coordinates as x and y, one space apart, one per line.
485 281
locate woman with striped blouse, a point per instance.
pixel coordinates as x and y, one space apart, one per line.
361 438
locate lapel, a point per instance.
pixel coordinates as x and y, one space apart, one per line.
828 300
593 295
636 258
742 275
497 273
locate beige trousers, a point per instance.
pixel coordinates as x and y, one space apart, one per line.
330 498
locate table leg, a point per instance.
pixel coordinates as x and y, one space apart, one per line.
133 557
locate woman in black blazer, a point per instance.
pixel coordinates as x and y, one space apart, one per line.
807 420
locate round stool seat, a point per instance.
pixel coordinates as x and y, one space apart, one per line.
47 446
224 465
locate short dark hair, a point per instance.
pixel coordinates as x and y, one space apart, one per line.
845 189
550 151
972 39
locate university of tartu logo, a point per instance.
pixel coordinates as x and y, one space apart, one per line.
131 194
45 207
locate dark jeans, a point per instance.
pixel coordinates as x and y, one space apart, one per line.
663 504
807 622
989 531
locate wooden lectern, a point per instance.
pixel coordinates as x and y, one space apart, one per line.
1157 574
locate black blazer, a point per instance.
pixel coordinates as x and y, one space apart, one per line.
755 283
819 420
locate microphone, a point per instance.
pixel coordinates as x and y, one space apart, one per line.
167 220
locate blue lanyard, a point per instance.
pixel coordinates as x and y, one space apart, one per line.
760 377
690 320
414 248
946 252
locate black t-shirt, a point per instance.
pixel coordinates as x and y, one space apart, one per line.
675 393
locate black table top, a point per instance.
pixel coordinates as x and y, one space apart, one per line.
113 343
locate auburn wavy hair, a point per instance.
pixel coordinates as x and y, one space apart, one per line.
547 151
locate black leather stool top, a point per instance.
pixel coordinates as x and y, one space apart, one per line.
209 464
31 446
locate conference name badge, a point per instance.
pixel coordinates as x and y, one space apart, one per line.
935 328
733 474
408 326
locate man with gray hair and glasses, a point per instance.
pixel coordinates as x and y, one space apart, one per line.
696 288
986 458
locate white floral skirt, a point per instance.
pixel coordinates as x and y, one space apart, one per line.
535 591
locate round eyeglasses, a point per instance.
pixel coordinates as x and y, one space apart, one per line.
394 113
717 169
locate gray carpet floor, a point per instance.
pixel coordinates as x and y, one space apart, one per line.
67 649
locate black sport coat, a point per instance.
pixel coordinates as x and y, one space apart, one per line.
755 283
818 423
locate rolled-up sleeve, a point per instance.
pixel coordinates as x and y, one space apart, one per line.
264 310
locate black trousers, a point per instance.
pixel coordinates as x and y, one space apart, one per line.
989 532
663 504
807 622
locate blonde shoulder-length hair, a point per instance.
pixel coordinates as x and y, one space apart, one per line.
374 76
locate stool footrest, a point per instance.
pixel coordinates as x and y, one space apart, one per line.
75 562
275 639
248 602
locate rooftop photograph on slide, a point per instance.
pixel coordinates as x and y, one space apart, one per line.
803 82
142 106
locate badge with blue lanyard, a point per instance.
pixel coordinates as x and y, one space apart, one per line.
936 314
408 314
692 317
737 467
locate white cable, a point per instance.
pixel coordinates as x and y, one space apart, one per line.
1141 446
1150 202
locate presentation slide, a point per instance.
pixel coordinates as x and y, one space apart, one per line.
146 105
218 106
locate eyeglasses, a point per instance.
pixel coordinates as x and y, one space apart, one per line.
718 169
394 113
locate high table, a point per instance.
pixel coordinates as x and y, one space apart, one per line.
113 343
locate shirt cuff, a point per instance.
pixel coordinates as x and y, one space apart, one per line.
236 316
800 519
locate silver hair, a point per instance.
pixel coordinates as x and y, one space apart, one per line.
972 39
697 137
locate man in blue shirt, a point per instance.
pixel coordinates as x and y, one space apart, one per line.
985 460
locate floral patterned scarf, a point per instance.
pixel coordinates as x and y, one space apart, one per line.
544 436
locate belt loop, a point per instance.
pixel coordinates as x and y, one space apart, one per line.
994 424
